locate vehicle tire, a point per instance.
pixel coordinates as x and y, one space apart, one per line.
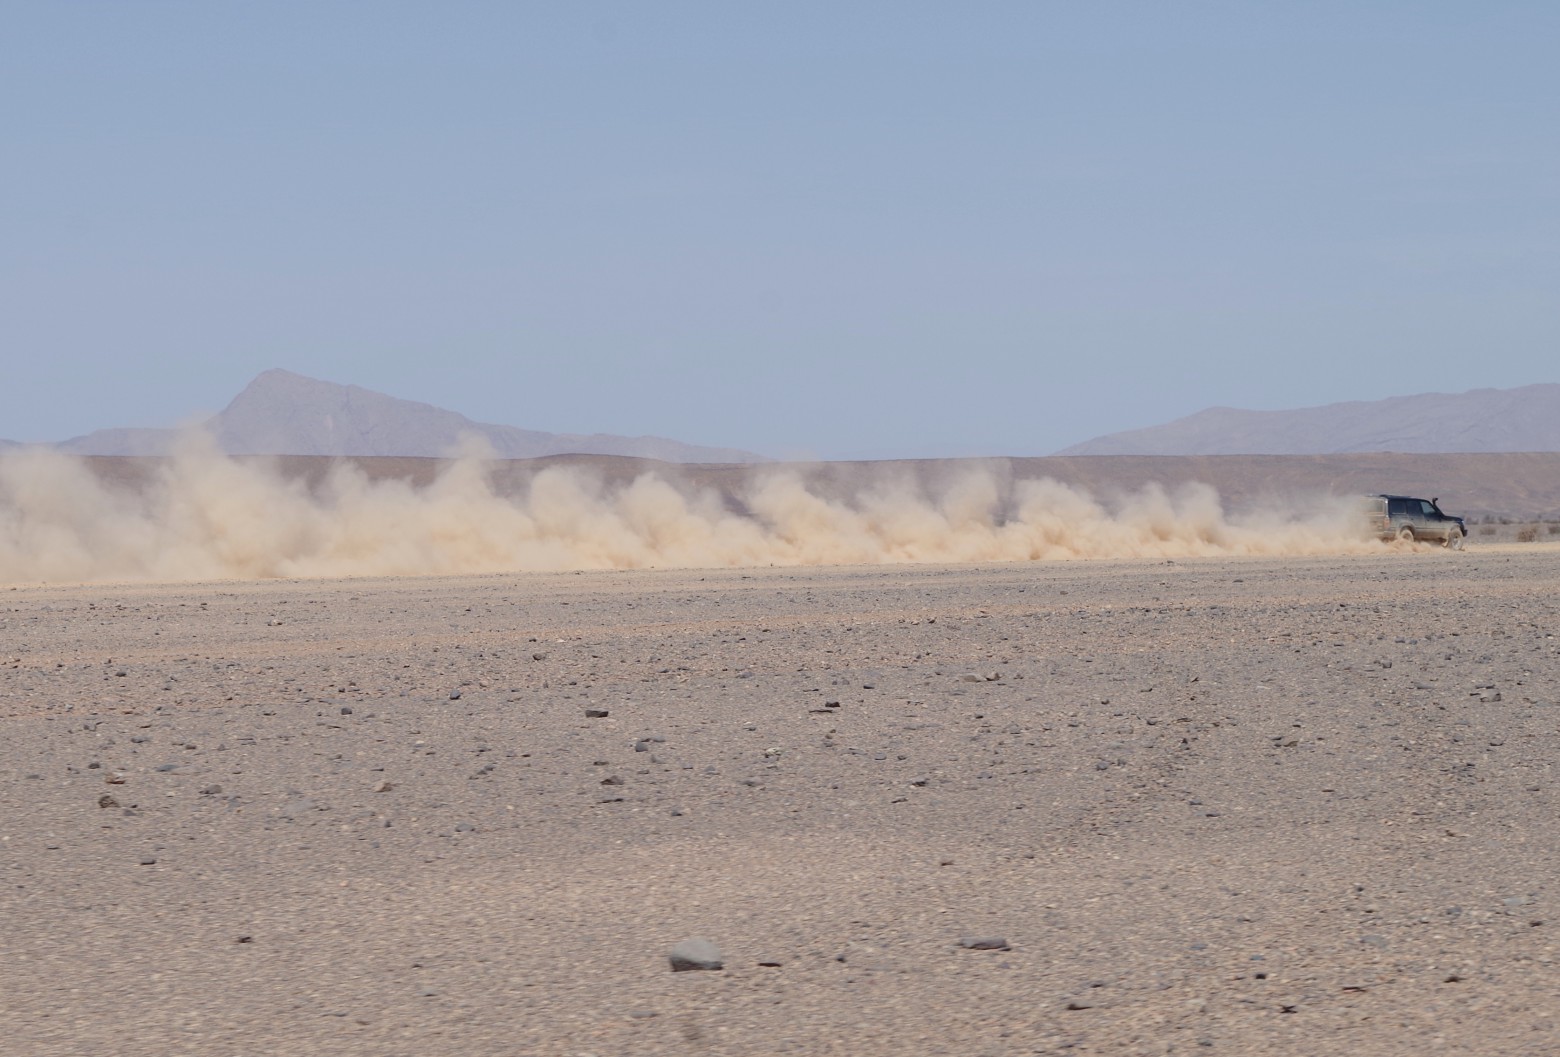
1454 539
1406 534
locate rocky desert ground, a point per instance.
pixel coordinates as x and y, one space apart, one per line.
1250 806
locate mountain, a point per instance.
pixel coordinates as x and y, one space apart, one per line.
281 413
1480 420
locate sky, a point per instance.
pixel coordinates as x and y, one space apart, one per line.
828 230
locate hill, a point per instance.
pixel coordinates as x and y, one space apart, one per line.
1480 420
282 413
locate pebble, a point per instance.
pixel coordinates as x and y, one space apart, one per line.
596 713
984 943
695 953
383 787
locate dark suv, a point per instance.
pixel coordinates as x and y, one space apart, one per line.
1406 518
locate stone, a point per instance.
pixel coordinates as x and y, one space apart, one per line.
984 943
596 713
692 954
383 787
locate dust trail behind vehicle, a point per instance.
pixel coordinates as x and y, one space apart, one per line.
203 515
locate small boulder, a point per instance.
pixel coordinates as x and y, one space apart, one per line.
695 954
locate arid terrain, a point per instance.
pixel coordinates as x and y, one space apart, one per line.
1251 806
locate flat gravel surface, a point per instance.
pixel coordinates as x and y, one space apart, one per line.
1257 806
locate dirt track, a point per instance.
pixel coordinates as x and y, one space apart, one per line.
1301 806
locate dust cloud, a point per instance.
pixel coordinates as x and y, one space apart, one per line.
205 516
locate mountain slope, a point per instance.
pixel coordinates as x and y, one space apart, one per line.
1481 420
282 413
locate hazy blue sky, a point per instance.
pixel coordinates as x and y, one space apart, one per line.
840 229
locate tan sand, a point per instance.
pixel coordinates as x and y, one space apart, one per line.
1252 806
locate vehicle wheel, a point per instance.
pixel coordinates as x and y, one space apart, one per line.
1454 539
1406 534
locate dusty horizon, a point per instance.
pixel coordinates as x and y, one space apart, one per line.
203 515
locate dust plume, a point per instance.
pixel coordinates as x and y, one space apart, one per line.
205 516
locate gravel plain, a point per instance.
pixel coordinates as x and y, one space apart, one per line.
1240 806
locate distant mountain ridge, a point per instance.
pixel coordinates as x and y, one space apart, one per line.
282 413
1526 419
